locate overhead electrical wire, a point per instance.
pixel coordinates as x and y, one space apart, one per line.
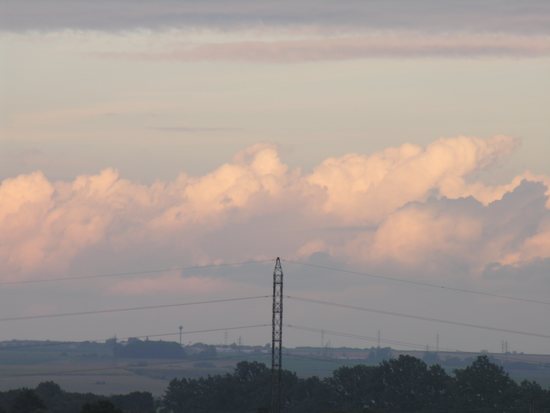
253 262
302 299
46 344
286 354
405 346
420 283
361 337
415 317
130 273
133 365
139 308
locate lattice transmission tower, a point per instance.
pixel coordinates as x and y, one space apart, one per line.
277 339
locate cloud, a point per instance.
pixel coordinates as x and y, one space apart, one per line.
283 32
504 15
89 112
407 207
534 247
365 189
191 129
442 234
294 46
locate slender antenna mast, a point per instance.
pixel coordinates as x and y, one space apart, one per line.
277 338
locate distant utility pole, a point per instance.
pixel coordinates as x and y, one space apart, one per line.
277 338
504 346
379 334
181 334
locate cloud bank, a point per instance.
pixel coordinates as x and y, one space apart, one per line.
263 46
497 16
407 207
298 31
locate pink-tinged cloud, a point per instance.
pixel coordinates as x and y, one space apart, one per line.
300 46
409 206
365 189
413 236
532 248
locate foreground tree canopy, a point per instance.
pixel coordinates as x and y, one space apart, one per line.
402 385
48 397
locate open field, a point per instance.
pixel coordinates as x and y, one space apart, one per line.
101 377
97 371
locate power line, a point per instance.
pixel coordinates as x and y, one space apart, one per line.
405 345
412 346
415 317
359 337
17 347
421 283
119 310
177 362
128 273
210 330
126 366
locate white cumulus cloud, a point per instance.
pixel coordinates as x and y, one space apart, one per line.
408 206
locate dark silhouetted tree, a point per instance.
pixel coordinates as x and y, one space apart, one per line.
102 406
484 387
136 402
28 402
404 383
532 397
310 395
356 387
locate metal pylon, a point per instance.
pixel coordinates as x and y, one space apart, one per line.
277 339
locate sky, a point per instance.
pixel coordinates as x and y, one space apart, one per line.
399 139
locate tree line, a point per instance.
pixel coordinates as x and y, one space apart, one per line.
48 397
402 385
